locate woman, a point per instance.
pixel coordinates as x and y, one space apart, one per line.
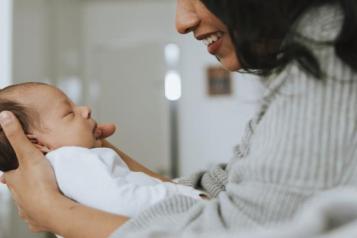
301 142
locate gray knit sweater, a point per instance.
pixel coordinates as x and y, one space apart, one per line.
301 142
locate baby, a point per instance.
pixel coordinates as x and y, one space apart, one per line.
85 172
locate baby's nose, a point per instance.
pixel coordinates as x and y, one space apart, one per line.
86 112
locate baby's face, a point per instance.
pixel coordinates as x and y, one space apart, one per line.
61 122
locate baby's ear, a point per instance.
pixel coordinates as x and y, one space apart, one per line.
32 138
44 149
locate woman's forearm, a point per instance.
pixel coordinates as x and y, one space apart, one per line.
73 220
134 165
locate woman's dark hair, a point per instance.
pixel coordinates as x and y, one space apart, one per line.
8 158
260 27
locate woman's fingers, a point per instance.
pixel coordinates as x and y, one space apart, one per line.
34 229
2 179
32 226
21 213
105 130
23 148
33 184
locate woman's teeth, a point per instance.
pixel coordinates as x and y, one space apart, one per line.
212 38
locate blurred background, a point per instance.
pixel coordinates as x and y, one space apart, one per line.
176 109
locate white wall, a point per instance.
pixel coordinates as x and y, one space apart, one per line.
5 42
31 62
124 71
5 79
210 126
44 33
31 58
46 41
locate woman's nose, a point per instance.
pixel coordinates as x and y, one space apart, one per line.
86 112
186 18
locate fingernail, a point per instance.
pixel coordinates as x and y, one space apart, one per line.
5 117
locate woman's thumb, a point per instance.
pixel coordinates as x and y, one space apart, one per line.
17 138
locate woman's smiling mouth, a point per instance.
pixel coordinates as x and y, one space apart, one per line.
212 41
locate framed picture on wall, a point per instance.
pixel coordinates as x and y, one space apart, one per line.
219 81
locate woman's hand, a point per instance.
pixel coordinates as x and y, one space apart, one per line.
33 184
40 204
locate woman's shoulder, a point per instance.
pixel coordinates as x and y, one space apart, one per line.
322 23
317 30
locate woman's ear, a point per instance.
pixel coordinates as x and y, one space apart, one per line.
44 149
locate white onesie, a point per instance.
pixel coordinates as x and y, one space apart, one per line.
99 178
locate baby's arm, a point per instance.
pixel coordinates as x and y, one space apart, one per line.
134 165
98 179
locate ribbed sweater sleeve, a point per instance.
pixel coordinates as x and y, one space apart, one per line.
212 181
301 142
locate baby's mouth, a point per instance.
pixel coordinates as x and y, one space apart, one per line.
95 131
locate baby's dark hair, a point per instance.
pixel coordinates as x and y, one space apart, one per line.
8 158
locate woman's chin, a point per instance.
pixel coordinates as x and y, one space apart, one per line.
232 68
231 65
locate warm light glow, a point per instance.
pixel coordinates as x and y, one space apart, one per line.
173 86
5 42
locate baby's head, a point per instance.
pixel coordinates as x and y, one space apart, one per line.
49 118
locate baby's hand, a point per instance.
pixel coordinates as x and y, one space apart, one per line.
103 131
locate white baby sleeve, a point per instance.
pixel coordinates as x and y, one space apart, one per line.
83 177
99 178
